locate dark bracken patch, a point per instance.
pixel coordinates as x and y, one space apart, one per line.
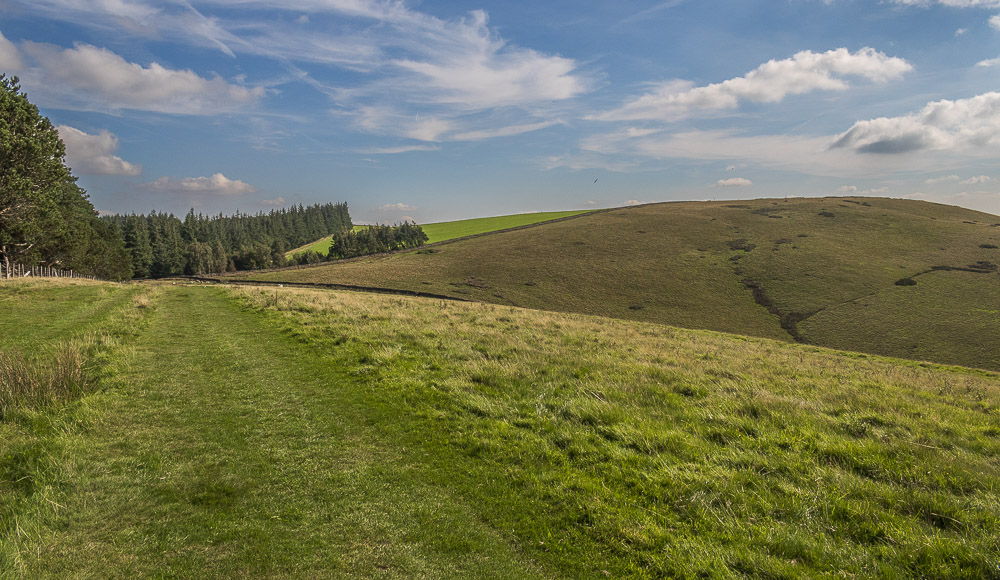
740 244
906 282
827 214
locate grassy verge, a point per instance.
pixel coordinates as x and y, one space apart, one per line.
641 450
61 340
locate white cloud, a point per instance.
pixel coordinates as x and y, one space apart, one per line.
91 78
589 203
10 57
218 184
733 182
995 21
810 155
945 179
771 82
94 154
276 202
632 202
976 180
396 207
472 66
502 131
952 3
961 32
989 62
428 129
847 189
968 125
400 149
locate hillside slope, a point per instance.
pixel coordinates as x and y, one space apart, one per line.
821 271
443 231
296 433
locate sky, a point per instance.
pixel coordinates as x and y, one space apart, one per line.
437 110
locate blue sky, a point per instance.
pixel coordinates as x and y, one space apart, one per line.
441 110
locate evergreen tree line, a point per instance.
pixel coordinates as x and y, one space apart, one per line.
46 219
375 240
161 244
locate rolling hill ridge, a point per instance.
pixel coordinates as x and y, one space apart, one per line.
893 277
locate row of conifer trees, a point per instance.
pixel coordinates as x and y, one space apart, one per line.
161 244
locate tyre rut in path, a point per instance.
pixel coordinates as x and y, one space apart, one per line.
231 448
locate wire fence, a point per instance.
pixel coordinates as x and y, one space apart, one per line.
19 271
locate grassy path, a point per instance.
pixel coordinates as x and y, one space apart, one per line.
232 449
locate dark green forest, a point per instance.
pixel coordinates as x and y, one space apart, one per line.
161 244
46 219
375 239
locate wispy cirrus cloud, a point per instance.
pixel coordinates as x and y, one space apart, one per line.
445 70
95 154
771 82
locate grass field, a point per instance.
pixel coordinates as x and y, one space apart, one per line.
441 231
279 432
821 271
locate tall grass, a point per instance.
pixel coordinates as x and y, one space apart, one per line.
38 383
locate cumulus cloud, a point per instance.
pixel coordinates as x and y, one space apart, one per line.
995 21
396 207
217 184
733 182
91 78
963 125
989 62
976 180
632 202
771 82
276 202
847 189
94 154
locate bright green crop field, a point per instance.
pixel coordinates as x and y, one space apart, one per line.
277 432
441 231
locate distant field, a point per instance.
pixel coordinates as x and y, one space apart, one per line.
441 231
822 271
288 433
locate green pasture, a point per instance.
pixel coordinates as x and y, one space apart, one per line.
441 231
277 432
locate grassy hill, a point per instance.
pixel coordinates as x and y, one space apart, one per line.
896 277
300 433
441 231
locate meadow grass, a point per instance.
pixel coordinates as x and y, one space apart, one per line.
643 450
442 231
793 268
303 433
